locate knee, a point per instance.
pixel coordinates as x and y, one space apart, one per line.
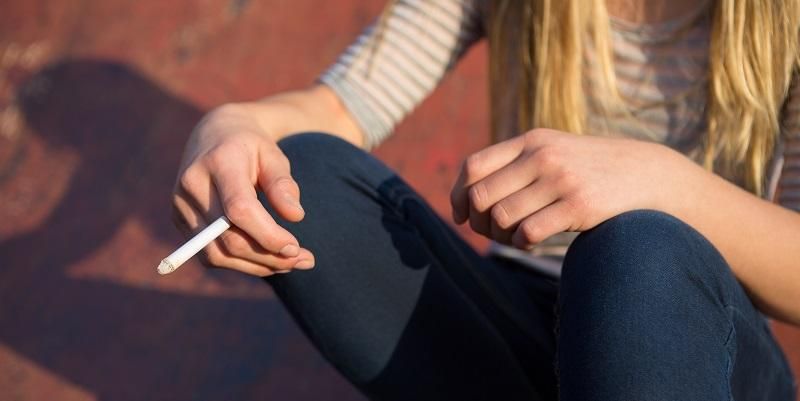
319 162
626 243
645 257
317 147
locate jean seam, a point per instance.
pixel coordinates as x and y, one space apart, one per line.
729 342
762 325
729 345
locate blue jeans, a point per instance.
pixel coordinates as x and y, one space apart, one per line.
646 308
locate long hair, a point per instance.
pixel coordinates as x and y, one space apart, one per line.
753 54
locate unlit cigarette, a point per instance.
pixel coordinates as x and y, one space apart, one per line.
194 245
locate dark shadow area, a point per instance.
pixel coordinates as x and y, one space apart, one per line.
490 320
129 134
119 342
403 306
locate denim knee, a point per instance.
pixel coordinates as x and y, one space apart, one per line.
639 255
645 296
317 148
633 289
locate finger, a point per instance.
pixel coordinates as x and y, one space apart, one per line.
479 222
235 243
193 222
195 192
507 213
499 235
507 180
281 190
541 225
241 206
178 218
218 257
185 215
194 186
476 167
238 244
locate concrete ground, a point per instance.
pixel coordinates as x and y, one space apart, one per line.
96 100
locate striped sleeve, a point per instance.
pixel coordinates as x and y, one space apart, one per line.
788 190
421 41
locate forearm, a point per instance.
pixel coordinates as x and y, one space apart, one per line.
316 109
760 240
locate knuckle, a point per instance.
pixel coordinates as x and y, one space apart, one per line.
535 136
214 157
579 202
472 166
237 209
531 137
190 179
236 245
532 233
215 257
219 156
283 183
224 110
478 195
501 216
547 158
567 180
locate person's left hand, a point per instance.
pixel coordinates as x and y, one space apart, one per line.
528 188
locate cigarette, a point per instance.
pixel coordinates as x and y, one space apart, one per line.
194 245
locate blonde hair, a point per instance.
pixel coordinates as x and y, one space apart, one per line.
753 54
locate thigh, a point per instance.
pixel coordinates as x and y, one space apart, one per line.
401 305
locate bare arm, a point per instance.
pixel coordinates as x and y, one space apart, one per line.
528 188
760 240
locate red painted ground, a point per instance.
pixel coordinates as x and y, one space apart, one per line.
96 100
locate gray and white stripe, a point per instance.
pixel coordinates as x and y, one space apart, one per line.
661 71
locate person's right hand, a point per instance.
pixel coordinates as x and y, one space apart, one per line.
227 158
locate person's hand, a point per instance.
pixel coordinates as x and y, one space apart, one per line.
227 158
526 189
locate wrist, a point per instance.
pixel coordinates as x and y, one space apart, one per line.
228 118
316 109
275 117
680 181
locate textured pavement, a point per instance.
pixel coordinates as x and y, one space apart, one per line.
96 101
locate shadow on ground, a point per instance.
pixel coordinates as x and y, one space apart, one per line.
133 338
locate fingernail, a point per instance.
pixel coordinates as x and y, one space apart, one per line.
292 201
290 251
282 271
304 264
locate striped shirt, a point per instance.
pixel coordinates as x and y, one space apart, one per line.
661 72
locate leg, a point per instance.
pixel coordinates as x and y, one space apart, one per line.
397 302
651 311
